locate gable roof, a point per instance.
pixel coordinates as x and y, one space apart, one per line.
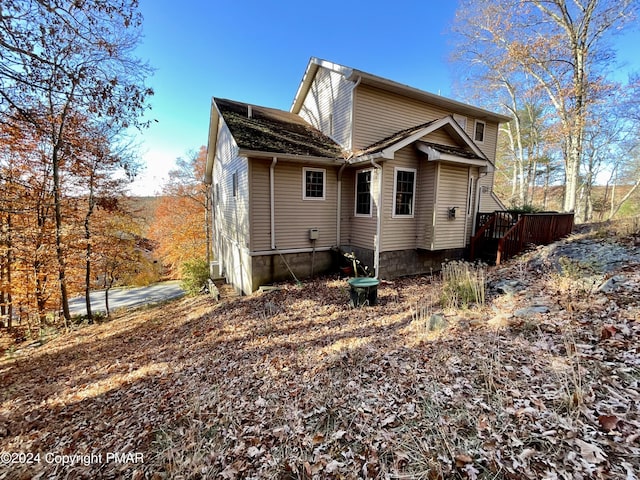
387 147
360 77
262 129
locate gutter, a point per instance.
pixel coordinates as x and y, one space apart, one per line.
242 152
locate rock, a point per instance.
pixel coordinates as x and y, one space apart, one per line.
437 322
531 311
508 287
614 283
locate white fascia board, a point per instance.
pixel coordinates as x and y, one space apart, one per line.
466 138
212 144
434 155
287 156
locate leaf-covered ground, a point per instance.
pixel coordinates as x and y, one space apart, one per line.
542 382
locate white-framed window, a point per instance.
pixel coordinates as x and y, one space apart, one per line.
363 193
314 183
404 191
478 131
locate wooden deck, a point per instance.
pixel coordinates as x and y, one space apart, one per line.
502 234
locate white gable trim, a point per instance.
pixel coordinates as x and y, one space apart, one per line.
434 155
438 124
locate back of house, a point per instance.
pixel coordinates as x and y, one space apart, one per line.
360 163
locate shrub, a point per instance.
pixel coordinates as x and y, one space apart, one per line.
463 283
195 276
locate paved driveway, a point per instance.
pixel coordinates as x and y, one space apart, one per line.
127 297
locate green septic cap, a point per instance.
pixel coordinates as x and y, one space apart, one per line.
364 282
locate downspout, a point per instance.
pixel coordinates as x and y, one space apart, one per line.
376 252
272 201
339 207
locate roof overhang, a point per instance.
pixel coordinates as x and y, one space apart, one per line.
448 123
289 157
360 77
434 154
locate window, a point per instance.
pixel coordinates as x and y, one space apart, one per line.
404 191
479 131
363 193
234 180
313 186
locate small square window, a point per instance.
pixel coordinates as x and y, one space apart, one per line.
313 187
363 193
479 131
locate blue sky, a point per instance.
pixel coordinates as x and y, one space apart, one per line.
257 52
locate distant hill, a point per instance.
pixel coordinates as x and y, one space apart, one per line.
601 199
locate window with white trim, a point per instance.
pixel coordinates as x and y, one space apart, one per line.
363 193
404 191
313 183
478 130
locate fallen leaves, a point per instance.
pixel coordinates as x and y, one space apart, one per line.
295 384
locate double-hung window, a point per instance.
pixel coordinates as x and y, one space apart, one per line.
479 131
313 183
404 191
363 193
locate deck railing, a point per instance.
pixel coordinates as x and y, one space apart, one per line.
515 231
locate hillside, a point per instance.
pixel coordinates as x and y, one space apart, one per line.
541 382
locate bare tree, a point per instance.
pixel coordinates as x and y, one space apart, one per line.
561 44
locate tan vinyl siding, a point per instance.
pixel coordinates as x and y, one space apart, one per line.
398 233
327 106
260 211
470 213
426 191
452 192
357 230
231 214
346 214
442 137
232 211
379 114
294 216
488 202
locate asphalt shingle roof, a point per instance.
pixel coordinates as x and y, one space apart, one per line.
275 131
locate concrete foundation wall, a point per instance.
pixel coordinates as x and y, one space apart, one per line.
415 262
267 269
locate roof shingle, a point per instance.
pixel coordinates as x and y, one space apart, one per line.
275 131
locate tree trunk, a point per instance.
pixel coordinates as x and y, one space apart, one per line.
87 236
57 200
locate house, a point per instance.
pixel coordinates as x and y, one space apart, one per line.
389 172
